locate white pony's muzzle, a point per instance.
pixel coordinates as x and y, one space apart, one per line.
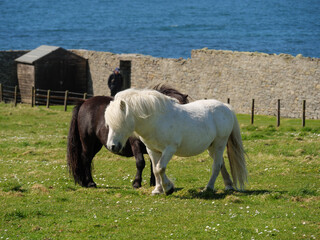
114 142
116 148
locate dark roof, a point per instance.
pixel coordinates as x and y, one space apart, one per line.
36 54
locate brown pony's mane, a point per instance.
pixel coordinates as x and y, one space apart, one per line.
169 91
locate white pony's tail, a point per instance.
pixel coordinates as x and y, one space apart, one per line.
236 155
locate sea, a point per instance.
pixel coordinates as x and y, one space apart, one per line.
163 28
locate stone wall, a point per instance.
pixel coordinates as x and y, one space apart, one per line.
8 67
240 76
243 76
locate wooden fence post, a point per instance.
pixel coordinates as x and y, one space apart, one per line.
84 96
1 92
278 115
15 95
32 96
304 113
48 98
66 100
252 112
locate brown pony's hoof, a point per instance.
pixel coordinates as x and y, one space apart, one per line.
170 191
136 184
91 185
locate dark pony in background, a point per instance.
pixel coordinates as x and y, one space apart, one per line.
88 133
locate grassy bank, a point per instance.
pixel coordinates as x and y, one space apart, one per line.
38 199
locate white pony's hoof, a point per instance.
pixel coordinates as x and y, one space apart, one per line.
168 188
157 191
170 191
229 188
208 189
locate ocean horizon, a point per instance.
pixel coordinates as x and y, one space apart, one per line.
169 29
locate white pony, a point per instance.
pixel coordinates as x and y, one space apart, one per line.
168 128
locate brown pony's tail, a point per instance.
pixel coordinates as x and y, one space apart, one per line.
74 147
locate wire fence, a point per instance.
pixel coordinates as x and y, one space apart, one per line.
48 98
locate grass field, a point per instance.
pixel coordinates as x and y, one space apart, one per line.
38 199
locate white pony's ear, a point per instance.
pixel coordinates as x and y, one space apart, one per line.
122 106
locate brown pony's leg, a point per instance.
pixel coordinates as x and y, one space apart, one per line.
87 180
137 152
140 164
138 149
152 177
90 149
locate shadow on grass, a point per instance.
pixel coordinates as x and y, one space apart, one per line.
118 190
108 187
220 194
194 193
12 187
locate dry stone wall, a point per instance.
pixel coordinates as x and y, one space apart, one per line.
8 68
244 76
240 76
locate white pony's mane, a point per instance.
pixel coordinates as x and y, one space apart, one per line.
142 103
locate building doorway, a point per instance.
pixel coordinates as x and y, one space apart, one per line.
125 70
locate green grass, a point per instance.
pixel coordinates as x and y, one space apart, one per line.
38 199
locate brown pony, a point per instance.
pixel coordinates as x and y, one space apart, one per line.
88 133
